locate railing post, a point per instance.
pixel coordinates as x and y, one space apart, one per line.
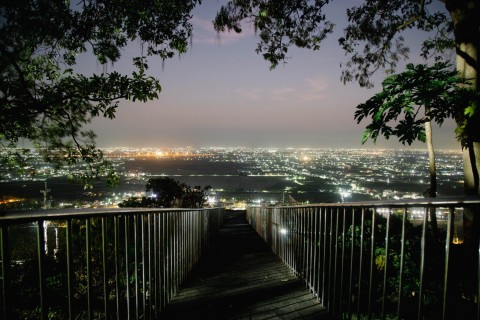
104 267
402 261
6 274
422 263
41 269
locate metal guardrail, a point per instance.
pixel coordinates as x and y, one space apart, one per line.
381 260
109 264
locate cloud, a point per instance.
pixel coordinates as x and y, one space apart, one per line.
250 94
203 33
282 94
316 89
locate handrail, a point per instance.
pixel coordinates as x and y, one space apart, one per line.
109 263
381 259
51 214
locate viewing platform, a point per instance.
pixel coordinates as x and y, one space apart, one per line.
414 259
241 278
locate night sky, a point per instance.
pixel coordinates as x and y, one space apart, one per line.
221 93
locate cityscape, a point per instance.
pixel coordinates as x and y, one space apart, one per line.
240 177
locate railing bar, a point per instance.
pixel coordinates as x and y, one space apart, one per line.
183 250
68 236
104 266
385 269
448 241
290 238
135 263
176 253
292 241
116 241
402 262
6 272
422 264
144 285
188 244
310 247
360 263
306 242
372 259
284 238
295 248
314 253
313 247
304 239
344 226
173 261
352 256
478 282
177 263
168 283
163 258
163 275
127 263
159 261
41 268
318 250
88 256
324 254
337 214
330 260
180 251
149 257
156 266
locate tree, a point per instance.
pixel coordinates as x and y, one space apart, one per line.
47 100
166 192
372 40
410 101
407 105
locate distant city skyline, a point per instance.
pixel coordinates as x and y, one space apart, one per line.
221 93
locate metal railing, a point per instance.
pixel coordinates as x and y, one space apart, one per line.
381 260
108 264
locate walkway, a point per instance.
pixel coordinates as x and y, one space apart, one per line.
241 278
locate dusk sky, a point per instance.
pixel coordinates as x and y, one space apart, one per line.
221 93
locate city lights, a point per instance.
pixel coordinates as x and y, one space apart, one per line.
252 176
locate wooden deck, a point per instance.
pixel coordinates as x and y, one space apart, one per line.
241 278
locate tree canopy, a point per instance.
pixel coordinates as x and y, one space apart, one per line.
371 40
400 109
47 101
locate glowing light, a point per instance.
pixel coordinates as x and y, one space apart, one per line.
283 231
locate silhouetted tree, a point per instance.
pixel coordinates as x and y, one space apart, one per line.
165 192
46 99
408 103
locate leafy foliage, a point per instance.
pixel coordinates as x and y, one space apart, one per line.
47 100
373 38
281 24
396 110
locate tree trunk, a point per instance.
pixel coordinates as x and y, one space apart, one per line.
432 190
465 16
466 20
